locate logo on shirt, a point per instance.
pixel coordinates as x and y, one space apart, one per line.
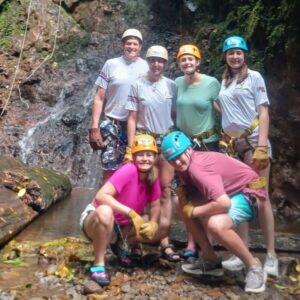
261 89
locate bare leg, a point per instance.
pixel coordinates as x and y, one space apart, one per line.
266 217
190 241
98 226
220 227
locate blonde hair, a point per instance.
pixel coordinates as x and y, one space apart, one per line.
228 75
151 176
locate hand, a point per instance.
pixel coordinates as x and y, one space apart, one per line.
95 139
128 155
188 210
137 221
148 230
260 157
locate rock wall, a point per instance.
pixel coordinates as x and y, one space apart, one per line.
47 116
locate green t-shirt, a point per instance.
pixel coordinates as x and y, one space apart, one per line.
194 106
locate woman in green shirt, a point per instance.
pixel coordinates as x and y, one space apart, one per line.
196 109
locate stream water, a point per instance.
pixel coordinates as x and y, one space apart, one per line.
62 219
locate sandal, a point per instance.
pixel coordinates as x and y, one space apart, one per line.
171 257
189 252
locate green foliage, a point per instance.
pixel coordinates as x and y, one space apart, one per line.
70 47
10 24
136 10
268 27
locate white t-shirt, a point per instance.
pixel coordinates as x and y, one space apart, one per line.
153 101
239 104
116 77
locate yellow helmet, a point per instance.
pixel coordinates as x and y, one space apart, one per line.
144 142
189 49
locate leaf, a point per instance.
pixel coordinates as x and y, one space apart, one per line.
62 272
21 192
281 287
17 262
292 278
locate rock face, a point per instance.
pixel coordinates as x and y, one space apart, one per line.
25 192
46 119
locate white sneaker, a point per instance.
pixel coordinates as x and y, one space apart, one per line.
233 264
255 280
271 265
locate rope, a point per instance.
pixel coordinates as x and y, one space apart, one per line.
49 56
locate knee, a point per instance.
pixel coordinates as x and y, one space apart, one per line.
214 227
104 215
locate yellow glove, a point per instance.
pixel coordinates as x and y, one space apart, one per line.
148 230
128 155
260 157
137 221
188 210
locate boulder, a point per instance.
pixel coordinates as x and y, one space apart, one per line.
25 192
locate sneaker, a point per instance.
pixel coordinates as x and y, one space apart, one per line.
255 280
233 264
99 274
271 265
204 267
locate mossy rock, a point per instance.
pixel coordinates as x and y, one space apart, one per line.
37 187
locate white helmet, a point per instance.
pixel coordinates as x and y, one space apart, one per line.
157 51
132 33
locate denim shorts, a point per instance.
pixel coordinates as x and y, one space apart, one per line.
241 210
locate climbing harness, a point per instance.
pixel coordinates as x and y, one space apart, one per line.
228 143
198 139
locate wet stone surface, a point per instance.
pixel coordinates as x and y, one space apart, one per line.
47 272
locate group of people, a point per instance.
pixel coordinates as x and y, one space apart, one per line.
150 130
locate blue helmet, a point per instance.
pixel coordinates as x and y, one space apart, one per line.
235 42
174 144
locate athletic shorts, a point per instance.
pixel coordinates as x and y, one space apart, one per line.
89 209
241 210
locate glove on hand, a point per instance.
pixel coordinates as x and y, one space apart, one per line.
260 157
188 210
128 155
148 230
137 221
95 139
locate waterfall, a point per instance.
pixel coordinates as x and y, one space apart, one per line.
28 142
60 141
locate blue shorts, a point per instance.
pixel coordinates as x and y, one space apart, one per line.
241 210
114 134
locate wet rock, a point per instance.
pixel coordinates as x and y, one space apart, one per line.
90 287
287 266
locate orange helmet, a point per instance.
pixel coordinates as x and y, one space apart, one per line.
189 49
144 142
